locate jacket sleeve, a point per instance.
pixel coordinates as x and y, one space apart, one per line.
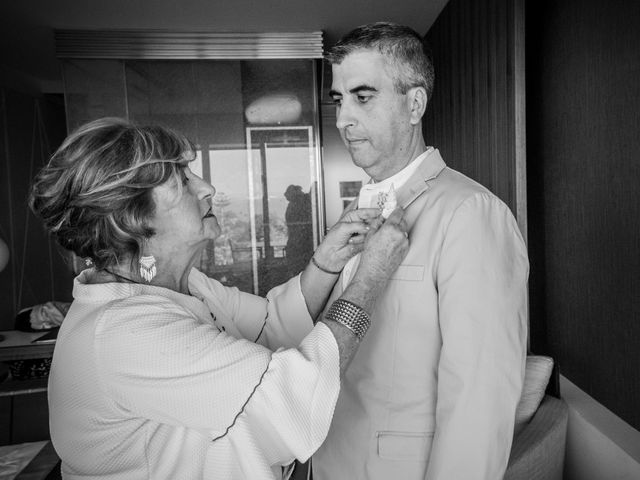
159 363
284 314
280 319
290 413
482 299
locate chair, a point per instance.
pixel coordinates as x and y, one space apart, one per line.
538 446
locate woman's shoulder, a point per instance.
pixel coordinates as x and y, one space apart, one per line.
142 305
133 323
139 311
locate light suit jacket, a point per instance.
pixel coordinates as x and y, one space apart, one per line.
432 390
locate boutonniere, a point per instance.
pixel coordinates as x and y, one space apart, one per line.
387 202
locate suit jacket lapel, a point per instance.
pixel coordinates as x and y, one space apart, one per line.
429 169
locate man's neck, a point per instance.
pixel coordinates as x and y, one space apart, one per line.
397 166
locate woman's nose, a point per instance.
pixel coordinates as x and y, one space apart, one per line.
210 191
204 189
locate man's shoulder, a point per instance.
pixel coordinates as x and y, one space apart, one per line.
441 177
454 186
454 180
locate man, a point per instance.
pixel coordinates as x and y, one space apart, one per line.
431 395
299 248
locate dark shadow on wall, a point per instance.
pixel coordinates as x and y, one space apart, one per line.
535 187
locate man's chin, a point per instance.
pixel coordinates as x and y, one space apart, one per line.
360 159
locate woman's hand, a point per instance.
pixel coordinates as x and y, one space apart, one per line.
346 238
385 247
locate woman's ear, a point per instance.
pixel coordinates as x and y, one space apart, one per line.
417 97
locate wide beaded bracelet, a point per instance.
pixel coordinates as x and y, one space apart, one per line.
349 315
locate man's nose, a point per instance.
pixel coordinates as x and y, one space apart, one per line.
344 116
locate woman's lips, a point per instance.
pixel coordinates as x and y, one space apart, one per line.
209 213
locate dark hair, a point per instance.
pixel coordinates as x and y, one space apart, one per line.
403 47
95 194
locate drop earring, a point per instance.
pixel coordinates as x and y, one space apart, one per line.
148 267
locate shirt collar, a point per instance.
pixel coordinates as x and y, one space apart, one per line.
406 182
400 178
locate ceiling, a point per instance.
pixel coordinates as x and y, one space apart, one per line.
27 50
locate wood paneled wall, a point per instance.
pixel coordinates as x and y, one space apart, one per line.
476 116
583 124
31 127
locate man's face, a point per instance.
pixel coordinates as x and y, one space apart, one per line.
373 118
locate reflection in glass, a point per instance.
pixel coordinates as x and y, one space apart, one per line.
255 125
284 201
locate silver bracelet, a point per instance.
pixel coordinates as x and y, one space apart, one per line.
322 269
349 315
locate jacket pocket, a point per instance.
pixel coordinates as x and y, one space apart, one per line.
414 446
411 273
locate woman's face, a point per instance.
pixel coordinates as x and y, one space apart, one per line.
183 220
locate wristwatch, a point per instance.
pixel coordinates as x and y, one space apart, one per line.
350 315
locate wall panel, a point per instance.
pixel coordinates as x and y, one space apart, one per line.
30 129
472 117
583 121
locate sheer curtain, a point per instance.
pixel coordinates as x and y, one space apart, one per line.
255 124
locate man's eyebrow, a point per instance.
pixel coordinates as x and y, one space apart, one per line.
363 88
354 90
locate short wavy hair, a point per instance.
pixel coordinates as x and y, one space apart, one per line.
95 194
406 51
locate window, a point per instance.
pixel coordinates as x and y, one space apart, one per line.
255 124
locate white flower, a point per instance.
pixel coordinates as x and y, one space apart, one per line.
389 202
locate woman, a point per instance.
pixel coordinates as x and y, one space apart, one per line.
160 372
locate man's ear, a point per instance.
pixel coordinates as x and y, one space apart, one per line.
417 98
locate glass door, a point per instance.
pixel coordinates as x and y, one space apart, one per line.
283 194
